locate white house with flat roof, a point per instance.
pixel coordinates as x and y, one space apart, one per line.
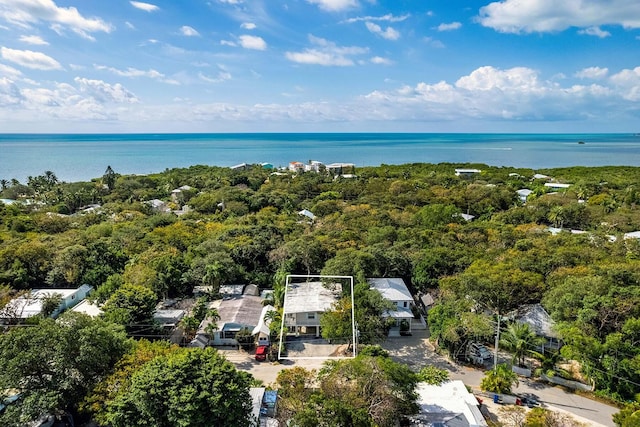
304 304
31 304
449 404
467 172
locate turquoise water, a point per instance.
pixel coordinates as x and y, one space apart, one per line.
74 157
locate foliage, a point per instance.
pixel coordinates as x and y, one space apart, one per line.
521 340
365 391
540 417
186 387
55 363
432 375
131 305
499 380
629 415
336 324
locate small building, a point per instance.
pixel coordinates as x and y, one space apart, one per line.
158 205
396 291
168 318
448 404
239 167
296 167
540 176
465 216
314 166
231 290
466 173
31 304
236 313
541 322
307 213
341 168
265 165
556 185
523 194
304 304
632 235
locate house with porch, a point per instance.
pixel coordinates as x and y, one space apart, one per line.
304 304
32 303
396 291
541 322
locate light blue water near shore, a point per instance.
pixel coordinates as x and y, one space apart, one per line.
74 157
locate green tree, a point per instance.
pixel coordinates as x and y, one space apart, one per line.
432 375
55 363
629 415
109 178
499 380
521 340
186 388
131 305
336 324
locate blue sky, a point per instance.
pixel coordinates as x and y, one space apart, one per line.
320 66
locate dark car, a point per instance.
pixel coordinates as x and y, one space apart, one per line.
261 352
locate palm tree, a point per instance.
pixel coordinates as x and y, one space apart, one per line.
556 216
4 184
521 340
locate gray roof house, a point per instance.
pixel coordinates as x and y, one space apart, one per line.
396 291
304 304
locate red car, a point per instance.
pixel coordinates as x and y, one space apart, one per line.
261 352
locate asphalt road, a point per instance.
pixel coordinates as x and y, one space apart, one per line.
416 351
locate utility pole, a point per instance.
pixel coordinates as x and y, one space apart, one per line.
495 356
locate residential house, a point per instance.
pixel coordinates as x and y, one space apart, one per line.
540 176
177 195
262 331
314 166
396 291
632 235
541 322
239 167
304 304
467 173
31 304
448 405
308 214
296 167
265 165
158 205
88 307
556 185
523 194
236 313
341 168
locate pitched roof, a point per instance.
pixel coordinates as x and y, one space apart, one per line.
391 289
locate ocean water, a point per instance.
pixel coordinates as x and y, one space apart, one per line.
75 157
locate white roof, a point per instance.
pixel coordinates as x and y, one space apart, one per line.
257 394
449 400
340 165
632 235
524 192
464 216
540 176
537 317
556 185
89 308
391 289
263 325
459 171
307 213
31 305
309 297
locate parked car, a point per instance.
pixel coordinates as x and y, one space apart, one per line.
480 350
261 352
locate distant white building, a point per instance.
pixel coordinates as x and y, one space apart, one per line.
467 172
556 185
523 194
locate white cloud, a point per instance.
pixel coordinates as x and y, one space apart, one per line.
248 26
433 42
231 1
334 5
147 7
7 71
449 27
188 31
34 40
228 43
105 92
130 25
629 82
592 73
326 53
9 92
252 42
528 16
595 31
380 60
388 17
26 12
134 72
389 33
222 76
30 59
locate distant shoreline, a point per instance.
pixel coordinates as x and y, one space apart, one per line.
82 157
